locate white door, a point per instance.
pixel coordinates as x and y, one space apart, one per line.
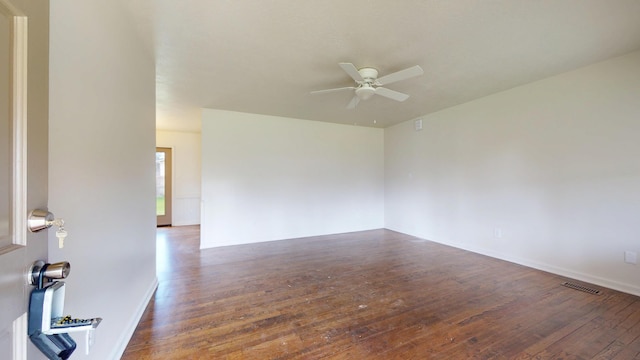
23 181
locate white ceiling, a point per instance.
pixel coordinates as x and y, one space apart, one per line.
265 56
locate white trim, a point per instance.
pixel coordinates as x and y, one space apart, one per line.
123 341
19 114
20 338
608 283
611 284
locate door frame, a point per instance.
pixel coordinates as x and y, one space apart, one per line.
166 219
18 122
16 253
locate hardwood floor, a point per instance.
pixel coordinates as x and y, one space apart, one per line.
370 295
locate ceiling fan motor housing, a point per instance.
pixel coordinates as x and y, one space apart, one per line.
368 74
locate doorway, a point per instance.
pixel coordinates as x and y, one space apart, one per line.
163 186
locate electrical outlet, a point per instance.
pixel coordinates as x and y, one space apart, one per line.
631 257
497 232
418 124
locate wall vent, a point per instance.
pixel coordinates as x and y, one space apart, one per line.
581 288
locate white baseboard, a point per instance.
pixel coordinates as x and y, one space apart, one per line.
122 343
608 283
626 288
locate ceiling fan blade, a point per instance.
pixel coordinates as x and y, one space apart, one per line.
400 75
353 103
350 69
391 94
332 90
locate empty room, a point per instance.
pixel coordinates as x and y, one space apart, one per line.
350 179
488 214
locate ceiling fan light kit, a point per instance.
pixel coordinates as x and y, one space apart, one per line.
365 92
368 83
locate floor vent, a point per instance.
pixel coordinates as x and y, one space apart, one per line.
581 288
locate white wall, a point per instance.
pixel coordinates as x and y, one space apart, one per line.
186 174
101 173
546 174
270 178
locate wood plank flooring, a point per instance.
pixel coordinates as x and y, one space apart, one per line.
370 295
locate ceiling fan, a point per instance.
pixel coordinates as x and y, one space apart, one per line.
368 83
